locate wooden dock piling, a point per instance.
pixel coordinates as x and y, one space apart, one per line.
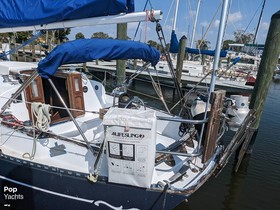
121 64
180 59
265 73
246 138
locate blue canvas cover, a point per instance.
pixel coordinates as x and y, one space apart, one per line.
174 47
174 44
37 12
83 50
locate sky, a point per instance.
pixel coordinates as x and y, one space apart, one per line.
244 15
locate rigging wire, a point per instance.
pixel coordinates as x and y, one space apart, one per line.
260 19
138 26
253 17
158 90
189 4
56 107
169 60
156 85
91 111
210 25
190 9
168 13
146 95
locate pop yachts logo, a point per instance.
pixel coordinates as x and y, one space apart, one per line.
128 135
10 193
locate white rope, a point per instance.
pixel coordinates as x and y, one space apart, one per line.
41 113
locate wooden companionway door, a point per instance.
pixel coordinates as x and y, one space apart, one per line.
68 84
34 93
75 90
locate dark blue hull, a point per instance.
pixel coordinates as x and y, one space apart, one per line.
25 185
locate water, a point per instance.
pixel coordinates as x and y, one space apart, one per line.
257 184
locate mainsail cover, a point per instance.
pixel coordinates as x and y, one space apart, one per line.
174 47
16 13
83 50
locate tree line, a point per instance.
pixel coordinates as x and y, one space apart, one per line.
58 36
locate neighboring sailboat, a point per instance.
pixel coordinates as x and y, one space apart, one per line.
194 71
65 143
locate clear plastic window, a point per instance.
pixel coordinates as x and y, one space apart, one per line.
76 84
34 89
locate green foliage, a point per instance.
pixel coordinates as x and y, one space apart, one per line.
19 37
243 38
61 34
79 36
152 43
101 35
226 44
203 44
4 37
157 45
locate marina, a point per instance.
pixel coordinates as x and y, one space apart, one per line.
188 82
141 137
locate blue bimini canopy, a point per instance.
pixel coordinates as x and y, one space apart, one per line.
174 47
83 50
37 12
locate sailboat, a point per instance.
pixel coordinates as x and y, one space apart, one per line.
194 71
65 143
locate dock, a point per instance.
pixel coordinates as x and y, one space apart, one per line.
166 79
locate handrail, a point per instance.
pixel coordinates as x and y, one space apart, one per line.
179 153
177 119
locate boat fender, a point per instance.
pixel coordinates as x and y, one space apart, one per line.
238 111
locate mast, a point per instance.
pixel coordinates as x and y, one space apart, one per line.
259 22
195 22
219 44
228 13
175 15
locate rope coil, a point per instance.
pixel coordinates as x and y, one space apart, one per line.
41 113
